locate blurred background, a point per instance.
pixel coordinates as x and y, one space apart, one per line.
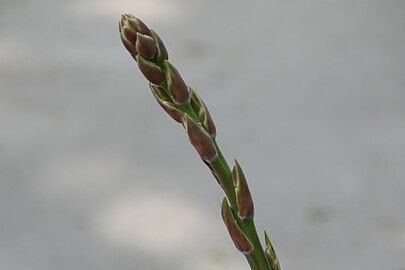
309 96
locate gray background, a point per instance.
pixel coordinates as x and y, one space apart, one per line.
308 95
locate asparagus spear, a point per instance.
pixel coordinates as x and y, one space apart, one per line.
183 104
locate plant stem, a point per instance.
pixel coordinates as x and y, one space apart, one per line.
257 258
184 105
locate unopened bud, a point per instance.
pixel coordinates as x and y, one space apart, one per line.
162 54
151 71
167 106
177 87
145 45
128 37
271 254
242 243
200 139
136 24
243 197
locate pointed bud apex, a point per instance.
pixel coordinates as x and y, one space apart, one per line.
129 34
271 254
129 26
243 197
136 24
167 106
151 71
240 240
145 45
128 37
200 139
162 54
124 20
177 87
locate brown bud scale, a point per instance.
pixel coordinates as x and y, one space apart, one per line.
128 42
238 237
243 197
200 139
130 34
151 71
167 106
177 87
145 45
138 25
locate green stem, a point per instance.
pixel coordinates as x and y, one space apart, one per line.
159 71
257 258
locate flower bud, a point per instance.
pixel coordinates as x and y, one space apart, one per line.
243 197
238 237
136 24
177 87
167 106
151 71
145 45
200 139
128 37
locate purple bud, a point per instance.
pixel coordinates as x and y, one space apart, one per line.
243 197
145 45
177 87
128 37
151 71
240 240
137 25
200 139
129 34
167 106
